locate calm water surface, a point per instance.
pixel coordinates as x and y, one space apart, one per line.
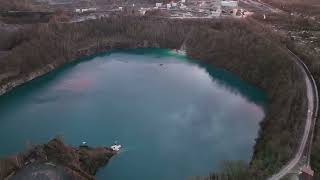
175 118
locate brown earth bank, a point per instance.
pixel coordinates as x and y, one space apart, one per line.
55 161
235 45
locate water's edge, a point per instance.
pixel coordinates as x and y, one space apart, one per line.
81 53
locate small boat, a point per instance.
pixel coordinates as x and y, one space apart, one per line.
116 147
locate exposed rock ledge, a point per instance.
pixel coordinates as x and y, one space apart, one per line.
55 161
17 82
17 79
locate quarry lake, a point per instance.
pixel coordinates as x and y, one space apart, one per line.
175 118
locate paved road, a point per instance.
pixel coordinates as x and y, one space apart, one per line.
311 114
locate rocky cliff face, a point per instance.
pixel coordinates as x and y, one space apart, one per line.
55 160
23 79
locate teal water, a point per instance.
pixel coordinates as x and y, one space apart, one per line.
175 118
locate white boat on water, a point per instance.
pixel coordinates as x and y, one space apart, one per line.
116 147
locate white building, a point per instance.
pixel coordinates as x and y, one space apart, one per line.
173 4
92 9
158 5
217 12
85 10
142 11
232 4
229 7
168 6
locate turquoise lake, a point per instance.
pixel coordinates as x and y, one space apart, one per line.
176 118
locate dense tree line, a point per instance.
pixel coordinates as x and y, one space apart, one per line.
16 5
240 49
305 28
226 43
311 59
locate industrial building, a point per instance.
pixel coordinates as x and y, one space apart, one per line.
211 8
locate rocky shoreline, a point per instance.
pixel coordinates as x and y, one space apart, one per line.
81 53
55 160
17 82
